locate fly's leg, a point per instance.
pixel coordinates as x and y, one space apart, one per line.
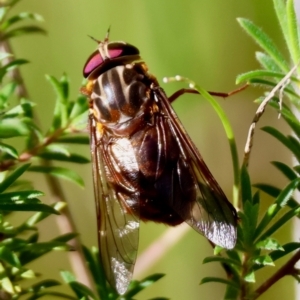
192 91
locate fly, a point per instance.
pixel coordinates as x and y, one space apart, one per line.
145 166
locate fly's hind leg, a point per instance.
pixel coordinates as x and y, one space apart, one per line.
179 93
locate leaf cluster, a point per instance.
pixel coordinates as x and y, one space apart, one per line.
40 152
256 246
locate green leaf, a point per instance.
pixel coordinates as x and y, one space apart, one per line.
35 288
267 62
221 259
79 289
268 189
250 277
293 39
249 221
51 294
64 83
21 31
287 115
12 177
284 140
36 218
96 269
219 280
137 286
287 192
60 117
57 148
265 42
20 110
80 106
3 12
287 248
245 185
280 9
11 66
26 205
9 150
274 192
4 55
285 169
79 123
277 225
71 157
34 251
59 172
271 212
264 260
271 84
269 244
261 73
10 257
280 201
12 128
20 17
5 93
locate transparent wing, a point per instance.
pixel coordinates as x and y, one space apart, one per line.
118 231
211 214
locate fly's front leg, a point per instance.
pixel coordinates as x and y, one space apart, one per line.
177 94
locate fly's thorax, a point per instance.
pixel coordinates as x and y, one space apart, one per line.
119 95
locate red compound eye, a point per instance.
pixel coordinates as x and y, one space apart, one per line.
116 51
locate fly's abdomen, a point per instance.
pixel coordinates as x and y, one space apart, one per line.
118 95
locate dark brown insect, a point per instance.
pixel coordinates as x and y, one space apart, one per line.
145 166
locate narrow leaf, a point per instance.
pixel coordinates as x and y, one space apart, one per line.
285 169
44 284
265 42
20 17
59 172
10 257
21 31
97 271
80 106
5 93
29 205
12 177
271 84
12 128
261 73
245 185
287 115
269 244
293 39
137 286
274 192
60 117
264 260
267 62
221 259
283 139
277 225
280 9
72 157
9 150
219 280
250 277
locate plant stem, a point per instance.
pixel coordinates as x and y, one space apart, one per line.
260 111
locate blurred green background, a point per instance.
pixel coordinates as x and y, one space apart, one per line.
197 39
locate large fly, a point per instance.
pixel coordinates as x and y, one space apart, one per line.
145 166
